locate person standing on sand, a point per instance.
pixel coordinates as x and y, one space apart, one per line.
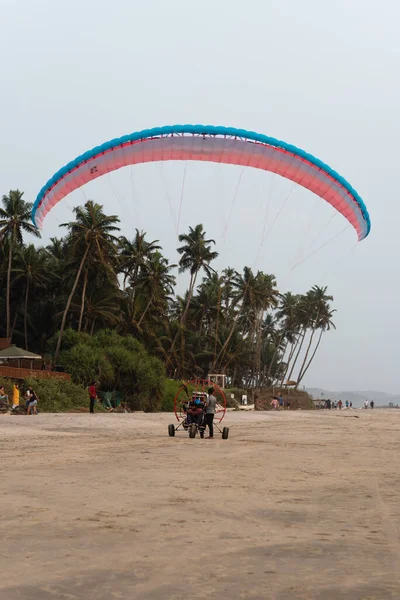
32 402
372 404
92 396
15 395
211 404
340 404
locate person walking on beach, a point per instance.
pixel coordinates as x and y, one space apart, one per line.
340 404
274 403
32 402
347 404
372 404
211 404
92 396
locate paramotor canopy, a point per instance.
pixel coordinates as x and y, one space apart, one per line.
213 144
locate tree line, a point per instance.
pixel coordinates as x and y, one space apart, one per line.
92 279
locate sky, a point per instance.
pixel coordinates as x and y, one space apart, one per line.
322 76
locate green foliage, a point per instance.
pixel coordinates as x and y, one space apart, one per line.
57 395
117 363
171 389
83 362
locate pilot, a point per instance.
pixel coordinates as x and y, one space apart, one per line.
195 411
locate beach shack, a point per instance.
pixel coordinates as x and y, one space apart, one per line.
17 363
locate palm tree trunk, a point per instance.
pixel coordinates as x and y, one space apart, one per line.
274 354
9 290
146 309
303 336
307 351
26 314
14 321
217 327
222 352
83 300
184 317
282 360
92 327
291 354
312 357
184 314
308 347
189 299
64 318
234 375
259 347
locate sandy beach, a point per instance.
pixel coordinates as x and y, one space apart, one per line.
293 506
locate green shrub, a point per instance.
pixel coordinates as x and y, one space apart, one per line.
116 362
8 385
170 390
57 395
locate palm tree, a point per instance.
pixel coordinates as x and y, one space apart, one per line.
90 232
32 266
156 281
229 277
134 254
302 322
56 248
321 319
196 254
254 294
287 313
238 285
102 306
15 218
325 324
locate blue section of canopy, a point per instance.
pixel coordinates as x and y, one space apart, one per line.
200 130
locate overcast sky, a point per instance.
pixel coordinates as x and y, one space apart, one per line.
321 75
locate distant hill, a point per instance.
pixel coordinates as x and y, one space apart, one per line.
358 397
